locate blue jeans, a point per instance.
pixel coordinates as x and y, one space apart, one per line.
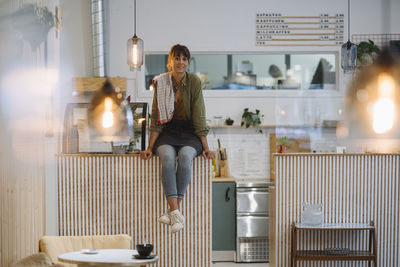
176 169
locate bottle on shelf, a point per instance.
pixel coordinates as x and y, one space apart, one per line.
74 144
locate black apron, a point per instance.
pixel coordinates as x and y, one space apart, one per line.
179 133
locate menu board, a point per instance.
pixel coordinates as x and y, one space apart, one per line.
276 29
247 150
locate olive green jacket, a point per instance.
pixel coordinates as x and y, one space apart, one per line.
192 97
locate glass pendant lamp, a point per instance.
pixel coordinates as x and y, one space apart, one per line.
110 117
135 49
349 50
374 95
374 98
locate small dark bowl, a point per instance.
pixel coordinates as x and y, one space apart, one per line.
144 250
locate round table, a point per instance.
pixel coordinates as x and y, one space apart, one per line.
105 257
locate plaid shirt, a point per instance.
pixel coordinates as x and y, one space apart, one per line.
165 98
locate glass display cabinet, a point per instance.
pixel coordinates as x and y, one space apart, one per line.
76 138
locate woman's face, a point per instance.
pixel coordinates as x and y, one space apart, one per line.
179 63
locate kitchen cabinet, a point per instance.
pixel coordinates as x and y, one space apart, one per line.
223 221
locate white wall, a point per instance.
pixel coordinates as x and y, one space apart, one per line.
226 25
207 26
76 34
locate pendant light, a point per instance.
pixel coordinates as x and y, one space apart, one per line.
349 50
135 48
374 96
109 116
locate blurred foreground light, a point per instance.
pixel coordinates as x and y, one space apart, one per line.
35 81
26 98
383 116
26 105
110 118
373 103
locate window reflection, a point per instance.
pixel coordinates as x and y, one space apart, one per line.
255 71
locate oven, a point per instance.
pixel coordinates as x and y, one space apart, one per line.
252 221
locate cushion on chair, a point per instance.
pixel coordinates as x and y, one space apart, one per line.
53 246
38 259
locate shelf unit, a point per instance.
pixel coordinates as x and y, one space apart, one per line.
327 255
236 126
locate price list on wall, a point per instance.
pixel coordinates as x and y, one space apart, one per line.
275 29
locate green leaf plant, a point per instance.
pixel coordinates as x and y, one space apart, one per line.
250 118
366 52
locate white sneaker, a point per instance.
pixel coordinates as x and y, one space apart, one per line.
165 218
177 221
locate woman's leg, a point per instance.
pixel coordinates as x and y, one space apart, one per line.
167 156
183 176
184 169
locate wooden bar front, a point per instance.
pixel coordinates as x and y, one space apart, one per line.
353 188
122 194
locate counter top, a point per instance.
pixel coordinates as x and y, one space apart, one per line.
224 179
233 179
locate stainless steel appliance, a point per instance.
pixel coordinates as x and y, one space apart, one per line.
252 232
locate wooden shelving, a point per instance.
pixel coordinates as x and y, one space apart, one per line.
272 126
322 255
334 255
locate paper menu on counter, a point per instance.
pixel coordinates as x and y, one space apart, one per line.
248 155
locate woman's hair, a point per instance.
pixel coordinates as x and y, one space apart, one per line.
177 50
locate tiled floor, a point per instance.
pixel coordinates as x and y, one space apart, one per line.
232 264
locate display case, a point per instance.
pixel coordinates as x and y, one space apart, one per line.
76 138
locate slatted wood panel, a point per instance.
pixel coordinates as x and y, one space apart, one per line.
353 188
22 207
113 194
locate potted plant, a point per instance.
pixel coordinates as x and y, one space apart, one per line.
283 144
250 118
228 121
366 52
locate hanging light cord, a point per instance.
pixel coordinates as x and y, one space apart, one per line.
386 14
348 17
134 11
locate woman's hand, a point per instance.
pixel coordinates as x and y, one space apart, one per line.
146 154
208 154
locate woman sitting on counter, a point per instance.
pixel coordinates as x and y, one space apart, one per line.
178 130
